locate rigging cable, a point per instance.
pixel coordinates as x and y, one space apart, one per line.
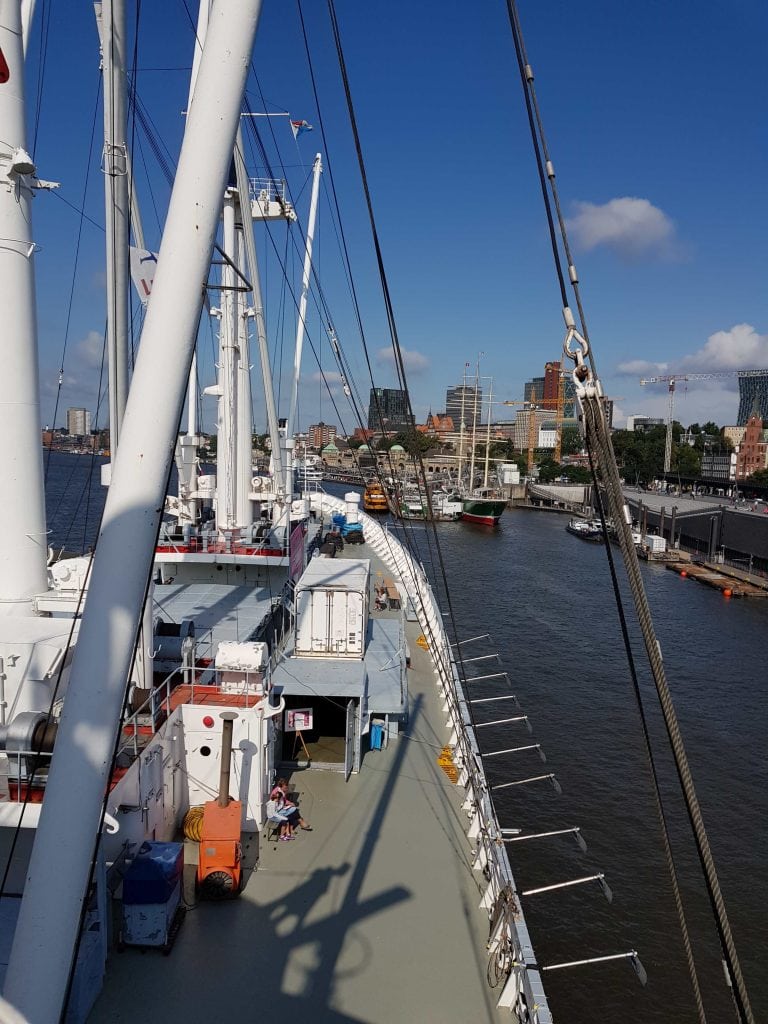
74 275
597 435
648 745
478 781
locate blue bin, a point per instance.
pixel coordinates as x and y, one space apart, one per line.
377 737
154 873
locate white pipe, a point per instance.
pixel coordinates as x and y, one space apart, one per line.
117 210
226 468
317 169
244 446
59 867
23 541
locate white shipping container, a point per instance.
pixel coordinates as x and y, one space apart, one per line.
332 608
658 545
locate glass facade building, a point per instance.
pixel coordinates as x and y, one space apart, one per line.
753 397
388 410
473 406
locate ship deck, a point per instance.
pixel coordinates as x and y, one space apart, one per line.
371 917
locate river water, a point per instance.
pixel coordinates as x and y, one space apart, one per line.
545 597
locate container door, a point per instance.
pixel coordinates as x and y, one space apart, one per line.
321 622
303 621
350 747
355 623
338 621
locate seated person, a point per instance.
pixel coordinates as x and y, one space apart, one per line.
289 808
277 811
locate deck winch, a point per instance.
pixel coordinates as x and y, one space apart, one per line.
219 868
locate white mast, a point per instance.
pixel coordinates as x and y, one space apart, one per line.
23 546
186 453
49 917
317 169
474 429
258 311
226 467
244 445
203 13
117 206
488 434
461 427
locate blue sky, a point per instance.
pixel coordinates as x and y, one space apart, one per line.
655 115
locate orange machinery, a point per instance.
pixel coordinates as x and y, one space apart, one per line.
219 868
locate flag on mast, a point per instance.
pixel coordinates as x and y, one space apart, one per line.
143 267
299 127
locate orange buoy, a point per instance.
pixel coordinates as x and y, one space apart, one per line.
683 572
727 592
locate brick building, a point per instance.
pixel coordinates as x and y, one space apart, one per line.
752 453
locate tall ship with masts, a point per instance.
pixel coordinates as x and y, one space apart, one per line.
153 690
250 709
482 501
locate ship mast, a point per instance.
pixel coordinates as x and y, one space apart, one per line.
117 210
488 435
317 169
23 546
474 429
49 916
461 427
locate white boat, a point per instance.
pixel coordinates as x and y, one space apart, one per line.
308 472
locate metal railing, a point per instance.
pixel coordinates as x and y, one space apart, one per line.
509 933
266 189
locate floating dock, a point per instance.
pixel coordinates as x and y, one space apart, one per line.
730 586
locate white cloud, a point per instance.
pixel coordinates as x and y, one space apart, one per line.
640 368
619 417
412 360
631 227
709 400
740 348
89 350
331 377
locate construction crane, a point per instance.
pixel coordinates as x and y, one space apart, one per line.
671 380
532 407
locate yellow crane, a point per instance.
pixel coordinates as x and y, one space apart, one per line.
532 407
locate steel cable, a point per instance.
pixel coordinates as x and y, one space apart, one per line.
597 433
648 746
598 437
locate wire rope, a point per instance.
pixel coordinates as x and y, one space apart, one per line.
596 434
74 276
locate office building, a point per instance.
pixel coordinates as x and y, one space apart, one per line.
642 424
320 434
78 422
388 410
471 399
526 430
753 397
534 390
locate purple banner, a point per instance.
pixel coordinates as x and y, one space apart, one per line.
297 552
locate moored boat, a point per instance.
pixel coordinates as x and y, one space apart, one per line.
375 498
485 510
585 530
